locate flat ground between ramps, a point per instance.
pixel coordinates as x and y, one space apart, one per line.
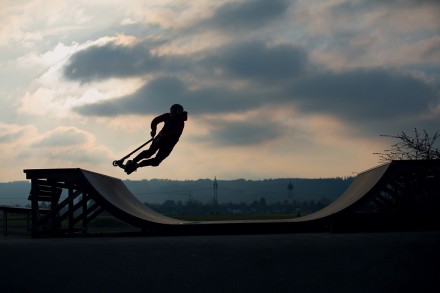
321 262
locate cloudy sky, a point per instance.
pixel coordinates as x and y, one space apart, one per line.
280 88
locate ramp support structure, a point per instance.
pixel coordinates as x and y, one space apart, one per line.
58 205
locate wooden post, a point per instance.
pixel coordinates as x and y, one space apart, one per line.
70 209
5 223
34 207
84 212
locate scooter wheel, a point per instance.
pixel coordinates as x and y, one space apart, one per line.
115 163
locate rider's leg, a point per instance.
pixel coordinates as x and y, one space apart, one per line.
164 151
147 153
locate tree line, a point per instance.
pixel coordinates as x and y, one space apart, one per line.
261 206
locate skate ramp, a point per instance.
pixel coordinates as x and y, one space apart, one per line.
113 196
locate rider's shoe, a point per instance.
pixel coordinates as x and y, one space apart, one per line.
130 167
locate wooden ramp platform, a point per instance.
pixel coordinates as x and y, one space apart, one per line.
376 199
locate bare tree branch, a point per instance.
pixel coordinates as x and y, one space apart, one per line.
419 147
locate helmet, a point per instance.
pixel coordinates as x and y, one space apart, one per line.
176 108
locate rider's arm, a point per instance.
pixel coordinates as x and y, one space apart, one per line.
156 121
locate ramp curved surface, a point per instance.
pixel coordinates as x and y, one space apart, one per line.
360 187
114 195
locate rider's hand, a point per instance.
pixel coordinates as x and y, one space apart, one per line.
153 133
157 138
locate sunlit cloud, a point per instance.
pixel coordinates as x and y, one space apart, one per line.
70 145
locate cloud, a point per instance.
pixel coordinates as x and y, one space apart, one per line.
248 129
430 50
14 133
64 137
257 60
101 62
297 84
245 15
159 94
246 60
61 146
209 85
9 135
68 145
345 35
362 95
144 57
280 75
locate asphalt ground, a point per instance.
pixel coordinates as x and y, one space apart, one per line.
364 262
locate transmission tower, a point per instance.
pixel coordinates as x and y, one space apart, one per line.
290 189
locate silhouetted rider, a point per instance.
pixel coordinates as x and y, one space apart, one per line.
164 142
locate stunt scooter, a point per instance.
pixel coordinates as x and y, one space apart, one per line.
120 163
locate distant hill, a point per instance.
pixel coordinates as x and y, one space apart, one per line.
15 193
237 191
